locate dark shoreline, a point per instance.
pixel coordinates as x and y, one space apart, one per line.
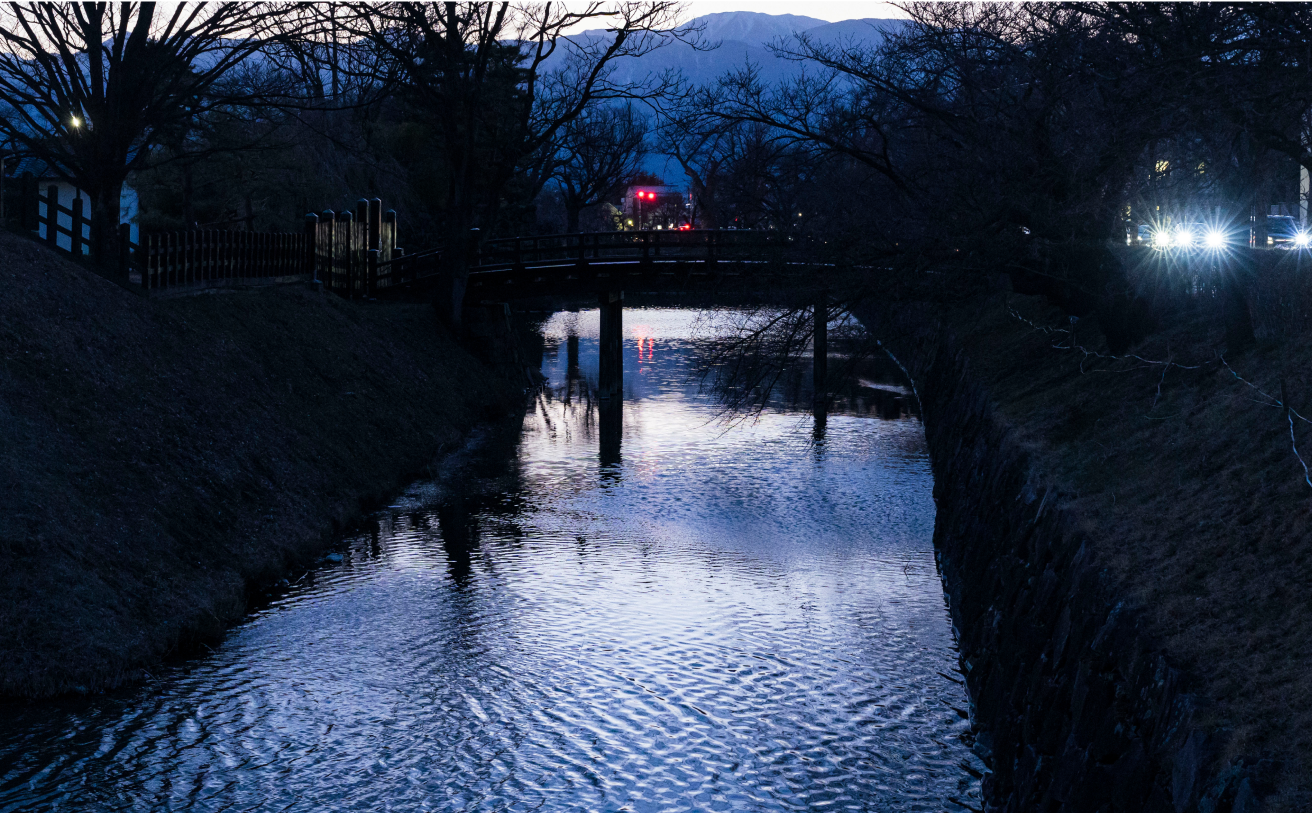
166 462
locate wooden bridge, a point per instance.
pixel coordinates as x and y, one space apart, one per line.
355 254
525 267
607 264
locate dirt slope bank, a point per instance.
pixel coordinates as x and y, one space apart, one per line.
159 458
1184 541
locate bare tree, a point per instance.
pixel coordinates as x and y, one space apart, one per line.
94 88
498 82
599 150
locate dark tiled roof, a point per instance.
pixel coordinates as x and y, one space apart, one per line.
27 163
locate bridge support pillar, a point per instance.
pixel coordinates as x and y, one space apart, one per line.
610 436
610 373
573 377
572 355
820 353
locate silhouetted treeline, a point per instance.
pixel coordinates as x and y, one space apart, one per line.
971 137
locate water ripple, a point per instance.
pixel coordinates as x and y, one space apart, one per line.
727 619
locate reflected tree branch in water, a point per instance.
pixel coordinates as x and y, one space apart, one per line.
759 356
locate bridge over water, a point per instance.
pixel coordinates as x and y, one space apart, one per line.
607 264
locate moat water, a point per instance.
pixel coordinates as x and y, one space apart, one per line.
660 611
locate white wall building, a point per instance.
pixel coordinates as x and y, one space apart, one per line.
128 203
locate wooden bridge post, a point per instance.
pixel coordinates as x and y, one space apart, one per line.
610 435
610 372
375 224
29 202
820 352
343 249
124 251
75 241
359 245
388 243
52 216
311 257
327 229
371 273
572 356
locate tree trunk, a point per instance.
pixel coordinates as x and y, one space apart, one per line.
460 243
106 208
572 218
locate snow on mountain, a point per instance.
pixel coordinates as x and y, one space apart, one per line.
753 27
743 38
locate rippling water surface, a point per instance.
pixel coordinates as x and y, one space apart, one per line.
668 615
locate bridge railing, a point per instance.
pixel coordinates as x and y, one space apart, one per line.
402 268
585 248
371 272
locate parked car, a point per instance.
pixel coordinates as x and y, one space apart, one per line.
1283 231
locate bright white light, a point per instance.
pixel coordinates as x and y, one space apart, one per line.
1182 238
1302 239
75 121
1215 239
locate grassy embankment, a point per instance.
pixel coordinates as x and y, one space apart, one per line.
1193 495
161 460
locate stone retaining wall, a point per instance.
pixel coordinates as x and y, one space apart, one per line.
1074 708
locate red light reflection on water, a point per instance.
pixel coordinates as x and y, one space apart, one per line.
646 341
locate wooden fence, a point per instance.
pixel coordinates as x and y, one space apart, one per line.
341 249
203 256
44 210
344 250
348 247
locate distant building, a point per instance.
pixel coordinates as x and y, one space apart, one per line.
45 178
654 206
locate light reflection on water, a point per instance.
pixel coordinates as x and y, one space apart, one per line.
713 618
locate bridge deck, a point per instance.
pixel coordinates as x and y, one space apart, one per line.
519 267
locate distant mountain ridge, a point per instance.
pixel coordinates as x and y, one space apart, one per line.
753 27
744 38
